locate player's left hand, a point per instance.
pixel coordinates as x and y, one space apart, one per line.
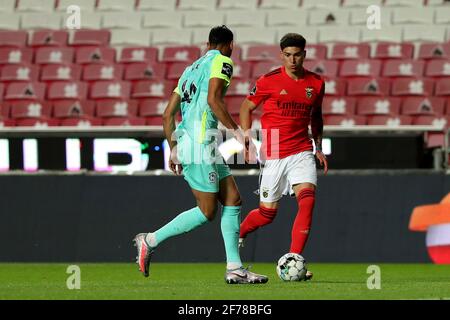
322 160
250 151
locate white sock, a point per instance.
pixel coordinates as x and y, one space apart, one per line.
233 265
151 240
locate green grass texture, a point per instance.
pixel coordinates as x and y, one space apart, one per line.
205 281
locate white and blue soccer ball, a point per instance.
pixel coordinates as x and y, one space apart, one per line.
291 267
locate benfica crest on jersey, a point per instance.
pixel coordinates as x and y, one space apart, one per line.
309 92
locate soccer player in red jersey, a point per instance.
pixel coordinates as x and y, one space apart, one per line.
292 100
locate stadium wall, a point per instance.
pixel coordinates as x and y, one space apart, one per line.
359 217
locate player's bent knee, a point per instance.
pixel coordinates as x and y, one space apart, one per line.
237 202
209 212
268 213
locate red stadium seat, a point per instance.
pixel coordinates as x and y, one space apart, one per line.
176 69
263 53
378 105
145 71
344 121
58 55
335 87
152 107
73 108
389 50
138 54
95 55
25 90
435 139
49 38
82 122
19 72
110 89
443 87
95 72
91 38
338 105
261 68
4 110
389 121
403 68
325 68
180 54
241 70
152 89
236 56
234 104
5 122
434 51
15 55
423 106
360 68
412 86
13 38
368 87
37 122
116 108
60 72
67 90
438 68
350 51
316 52
30 109
154 121
439 123
124 121
240 87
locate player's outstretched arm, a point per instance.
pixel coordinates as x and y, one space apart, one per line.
173 107
245 114
245 117
317 130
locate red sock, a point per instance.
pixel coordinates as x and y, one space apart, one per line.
255 219
302 223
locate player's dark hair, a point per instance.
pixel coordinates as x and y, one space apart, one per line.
220 35
292 40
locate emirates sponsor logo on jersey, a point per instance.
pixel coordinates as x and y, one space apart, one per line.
309 92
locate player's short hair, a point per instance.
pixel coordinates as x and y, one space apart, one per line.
292 40
220 35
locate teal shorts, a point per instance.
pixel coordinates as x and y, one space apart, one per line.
201 169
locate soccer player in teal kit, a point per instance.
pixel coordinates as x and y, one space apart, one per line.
199 96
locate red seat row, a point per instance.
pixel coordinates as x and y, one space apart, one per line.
382 50
367 86
440 123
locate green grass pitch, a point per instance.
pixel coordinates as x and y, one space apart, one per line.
204 281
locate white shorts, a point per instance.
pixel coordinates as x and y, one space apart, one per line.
279 175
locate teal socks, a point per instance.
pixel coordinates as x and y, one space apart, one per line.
183 223
229 225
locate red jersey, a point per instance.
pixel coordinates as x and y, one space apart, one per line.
288 107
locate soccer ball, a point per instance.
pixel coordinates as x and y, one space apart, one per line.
291 267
